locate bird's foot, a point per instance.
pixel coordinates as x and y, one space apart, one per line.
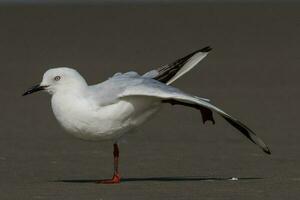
114 180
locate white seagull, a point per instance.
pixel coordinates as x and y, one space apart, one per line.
108 110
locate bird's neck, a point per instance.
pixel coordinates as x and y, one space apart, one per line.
71 89
69 100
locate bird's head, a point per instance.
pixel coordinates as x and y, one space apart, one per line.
60 79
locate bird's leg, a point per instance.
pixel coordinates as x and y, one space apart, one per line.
116 177
116 162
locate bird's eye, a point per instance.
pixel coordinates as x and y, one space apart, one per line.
57 78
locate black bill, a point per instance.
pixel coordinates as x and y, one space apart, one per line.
33 89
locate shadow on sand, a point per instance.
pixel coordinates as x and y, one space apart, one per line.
166 179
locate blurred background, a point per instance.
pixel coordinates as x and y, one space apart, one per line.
252 73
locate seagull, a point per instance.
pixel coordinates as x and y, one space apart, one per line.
108 110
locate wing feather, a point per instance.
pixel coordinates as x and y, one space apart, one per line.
161 91
169 73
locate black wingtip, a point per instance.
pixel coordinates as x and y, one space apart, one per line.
206 49
267 151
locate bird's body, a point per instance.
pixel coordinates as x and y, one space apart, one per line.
87 117
108 110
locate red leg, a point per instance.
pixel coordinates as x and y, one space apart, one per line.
116 177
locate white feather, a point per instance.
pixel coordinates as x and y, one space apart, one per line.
193 61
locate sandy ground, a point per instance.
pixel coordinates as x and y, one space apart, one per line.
253 73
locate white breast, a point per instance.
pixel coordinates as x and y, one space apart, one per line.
87 120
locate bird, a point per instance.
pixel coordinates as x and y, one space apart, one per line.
110 109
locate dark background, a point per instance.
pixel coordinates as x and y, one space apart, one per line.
252 73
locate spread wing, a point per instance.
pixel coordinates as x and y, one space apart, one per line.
169 94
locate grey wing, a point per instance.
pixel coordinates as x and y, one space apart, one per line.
169 73
108 92
168 94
